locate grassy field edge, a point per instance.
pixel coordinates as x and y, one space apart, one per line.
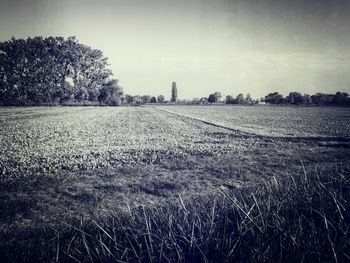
297 218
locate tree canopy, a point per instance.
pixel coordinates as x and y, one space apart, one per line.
215 97
318 99
51 70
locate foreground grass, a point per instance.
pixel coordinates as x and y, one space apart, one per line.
301 217
140 185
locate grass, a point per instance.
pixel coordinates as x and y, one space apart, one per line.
302 217
140 185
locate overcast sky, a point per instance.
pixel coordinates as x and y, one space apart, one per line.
231 46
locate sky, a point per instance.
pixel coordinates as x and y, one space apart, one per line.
229 46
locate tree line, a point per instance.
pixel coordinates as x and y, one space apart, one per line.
293 98
144 99
318 99
55 70
274 98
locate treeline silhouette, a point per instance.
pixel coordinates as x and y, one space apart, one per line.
274 98
55 70
318 99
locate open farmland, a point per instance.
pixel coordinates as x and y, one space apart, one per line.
140 184
274 121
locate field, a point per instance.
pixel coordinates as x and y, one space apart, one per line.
174 184
275 121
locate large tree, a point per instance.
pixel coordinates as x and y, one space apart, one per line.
36 70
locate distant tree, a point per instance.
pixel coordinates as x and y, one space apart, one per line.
307 99
230 100
160 98
195 101
203 100
295 98
137 99
322 99
184 102
318 99
129 99
274 98
215 97
341 98
212 98
153 100
146 99
240 98
173 92
248 98
111 93
218 96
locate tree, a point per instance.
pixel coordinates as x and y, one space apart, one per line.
111 93
240 98
341 98
248 98
146 99
173 92
195 101
35 71
295 98
322 99
160 98
137 99
230 100
203 100
153 100
274 98
212 98
307 99
215 97
129 99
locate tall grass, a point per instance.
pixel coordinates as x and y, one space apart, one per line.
302 217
